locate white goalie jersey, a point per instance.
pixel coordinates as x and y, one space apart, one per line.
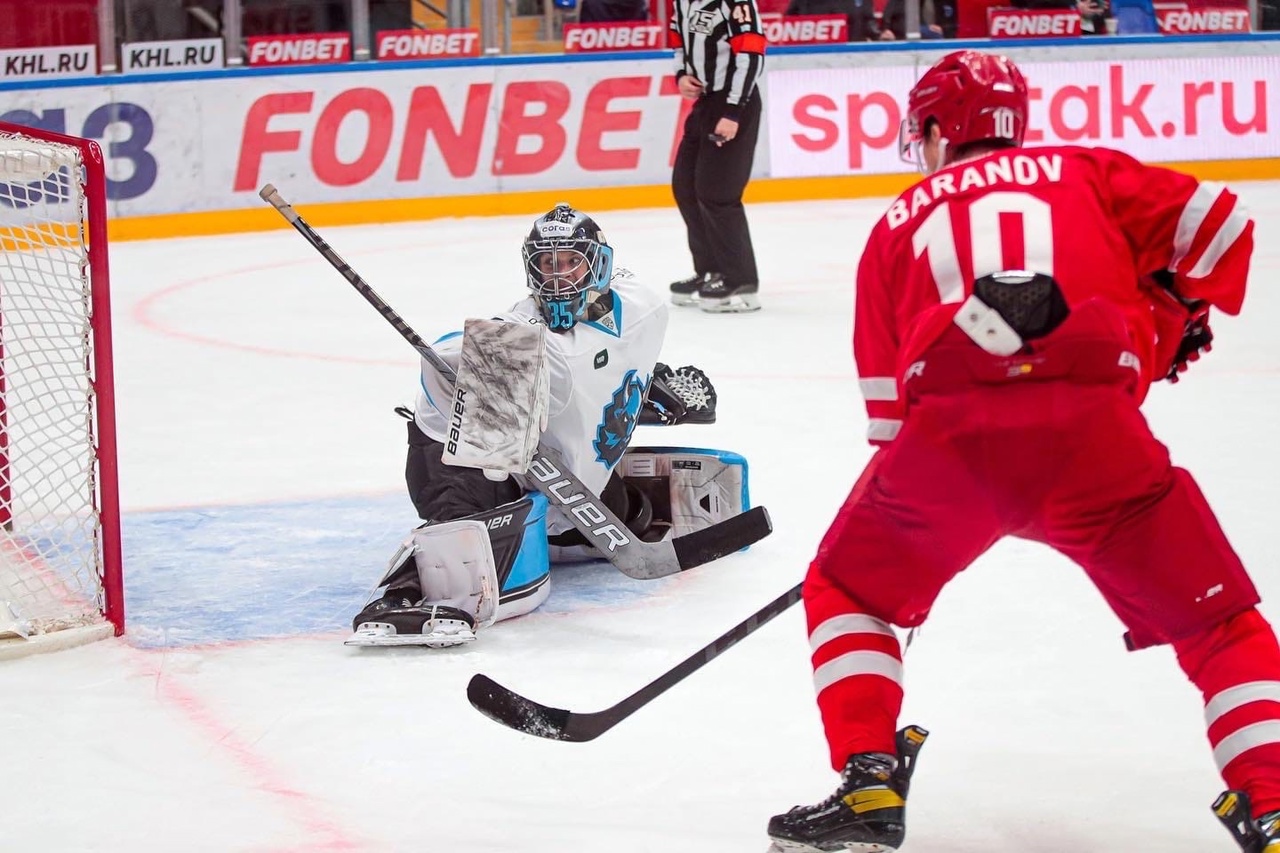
598 373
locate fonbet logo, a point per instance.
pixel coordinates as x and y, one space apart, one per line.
1183 20
584 38
1014 24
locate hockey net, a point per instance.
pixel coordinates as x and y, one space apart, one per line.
60 579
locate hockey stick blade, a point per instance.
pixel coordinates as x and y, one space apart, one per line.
714 542
648 561
515 711
524 715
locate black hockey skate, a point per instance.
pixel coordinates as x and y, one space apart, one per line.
395 621
867 812
1254 836
685 291
717 296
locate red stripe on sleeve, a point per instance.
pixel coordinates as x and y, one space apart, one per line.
748 43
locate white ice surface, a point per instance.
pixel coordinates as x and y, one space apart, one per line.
255 392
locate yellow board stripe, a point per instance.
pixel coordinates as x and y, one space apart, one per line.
40 235
263 218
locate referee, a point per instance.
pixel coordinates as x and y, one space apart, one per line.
719 58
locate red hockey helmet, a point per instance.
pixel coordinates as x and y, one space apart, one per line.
973 97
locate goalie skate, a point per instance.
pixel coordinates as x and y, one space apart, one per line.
432 626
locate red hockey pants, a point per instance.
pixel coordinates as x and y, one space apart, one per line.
1076 467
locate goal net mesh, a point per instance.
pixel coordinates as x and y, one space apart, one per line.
50 528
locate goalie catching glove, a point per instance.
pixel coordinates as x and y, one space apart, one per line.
683 396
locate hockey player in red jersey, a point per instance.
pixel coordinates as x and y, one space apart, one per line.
1003 367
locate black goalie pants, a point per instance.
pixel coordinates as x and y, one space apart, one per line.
443 492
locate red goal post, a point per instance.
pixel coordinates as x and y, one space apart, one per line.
60 563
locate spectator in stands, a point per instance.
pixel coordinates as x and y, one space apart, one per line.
1093 16
935 18
860 13
204 18
151 20
390 15
947 16
277 17
1093 13
607 11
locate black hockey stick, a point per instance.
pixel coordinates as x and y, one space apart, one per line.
632 556
524 715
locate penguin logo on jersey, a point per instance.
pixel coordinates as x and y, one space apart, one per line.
619 419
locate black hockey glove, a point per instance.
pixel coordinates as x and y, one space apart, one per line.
1197 338
679 397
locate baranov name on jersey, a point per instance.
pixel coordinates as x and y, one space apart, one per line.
1022 169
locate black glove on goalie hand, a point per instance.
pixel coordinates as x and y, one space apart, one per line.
1197 337
683 396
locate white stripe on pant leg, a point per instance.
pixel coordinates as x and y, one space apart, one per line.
881 388
857 663
1250 737
1239 696
851 623
883 429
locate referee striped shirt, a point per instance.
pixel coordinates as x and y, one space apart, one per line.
721 43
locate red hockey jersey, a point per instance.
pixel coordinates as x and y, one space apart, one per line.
1097 220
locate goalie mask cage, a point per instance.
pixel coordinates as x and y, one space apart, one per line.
60 574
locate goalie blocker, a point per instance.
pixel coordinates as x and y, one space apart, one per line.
501 397
495 565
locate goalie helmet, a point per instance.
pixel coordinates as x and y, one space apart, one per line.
567 264
972 97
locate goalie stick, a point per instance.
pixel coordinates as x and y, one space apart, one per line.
524 715
627 552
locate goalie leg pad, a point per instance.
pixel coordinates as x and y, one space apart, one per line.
518 532
456 568
690 488
461 576
515 551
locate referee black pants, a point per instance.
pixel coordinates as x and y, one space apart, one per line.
708 180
